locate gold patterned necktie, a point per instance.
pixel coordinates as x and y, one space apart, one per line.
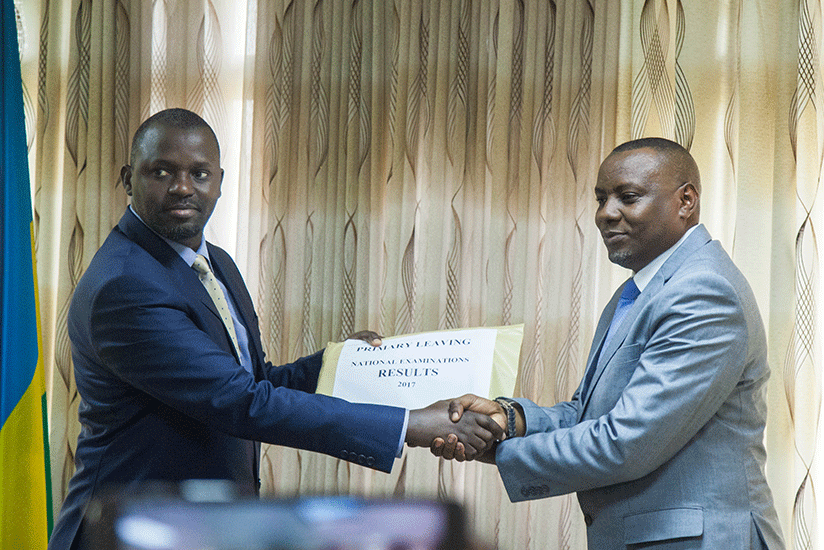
213 288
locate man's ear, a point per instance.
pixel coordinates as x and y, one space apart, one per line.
689 200
126 179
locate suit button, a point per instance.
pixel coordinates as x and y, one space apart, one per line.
370 461
344 455
588 519
524 491
361 459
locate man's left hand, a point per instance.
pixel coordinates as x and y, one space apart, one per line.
368 336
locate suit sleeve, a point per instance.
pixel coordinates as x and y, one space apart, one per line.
301 374
694 352
146 336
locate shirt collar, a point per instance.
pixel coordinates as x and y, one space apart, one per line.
187 254
645 275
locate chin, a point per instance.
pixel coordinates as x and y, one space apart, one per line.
622 258
179 233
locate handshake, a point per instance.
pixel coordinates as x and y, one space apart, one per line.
464 428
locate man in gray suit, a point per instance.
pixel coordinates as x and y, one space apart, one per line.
663 439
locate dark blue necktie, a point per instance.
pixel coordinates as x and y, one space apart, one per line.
625 301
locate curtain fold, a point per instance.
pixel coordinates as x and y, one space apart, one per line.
412 165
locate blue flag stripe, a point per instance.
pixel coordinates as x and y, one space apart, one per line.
18 329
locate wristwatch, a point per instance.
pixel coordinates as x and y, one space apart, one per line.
508 405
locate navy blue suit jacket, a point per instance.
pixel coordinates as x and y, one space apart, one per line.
163 397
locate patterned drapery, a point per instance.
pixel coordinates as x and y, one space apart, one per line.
409 165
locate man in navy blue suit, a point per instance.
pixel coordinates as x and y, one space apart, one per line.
171 390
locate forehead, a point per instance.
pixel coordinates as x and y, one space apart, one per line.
643 166
165 142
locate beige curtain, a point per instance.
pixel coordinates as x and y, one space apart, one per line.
410 165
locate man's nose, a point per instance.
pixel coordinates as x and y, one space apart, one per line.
182 185
610 211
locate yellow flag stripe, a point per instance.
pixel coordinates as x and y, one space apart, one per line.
23 472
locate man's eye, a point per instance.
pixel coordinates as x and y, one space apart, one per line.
629 197
201 174
600 200
160 173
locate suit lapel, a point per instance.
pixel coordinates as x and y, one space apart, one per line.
183 277
601 355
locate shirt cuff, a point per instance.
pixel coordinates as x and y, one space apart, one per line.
403 434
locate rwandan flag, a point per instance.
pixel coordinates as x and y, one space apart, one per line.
25 507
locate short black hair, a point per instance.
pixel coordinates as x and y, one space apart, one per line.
174 118
674 152
657 143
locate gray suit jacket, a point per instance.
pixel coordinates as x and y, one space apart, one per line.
666 448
